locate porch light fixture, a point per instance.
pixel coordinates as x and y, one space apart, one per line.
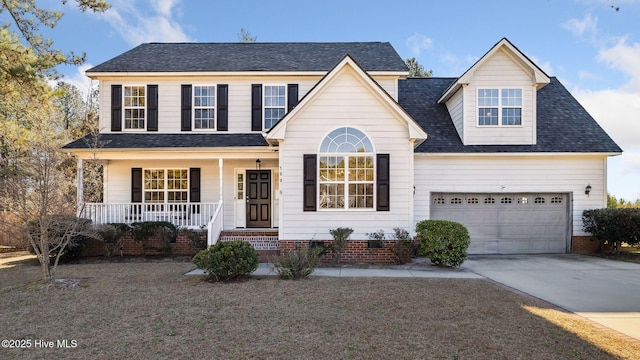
258 161
587 190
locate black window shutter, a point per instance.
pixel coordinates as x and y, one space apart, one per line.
382 182
186 108
256 107
152 107
292 96
194 184
136 185
116 107
223 108
309 184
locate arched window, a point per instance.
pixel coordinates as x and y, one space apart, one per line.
346 171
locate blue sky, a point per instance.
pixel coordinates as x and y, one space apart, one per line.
593 49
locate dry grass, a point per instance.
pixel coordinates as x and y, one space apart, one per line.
151 310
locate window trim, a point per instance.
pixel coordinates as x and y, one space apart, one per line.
125 107
346 182
265 107
500 107
213 108
165 187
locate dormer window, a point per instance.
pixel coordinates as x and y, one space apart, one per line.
499 107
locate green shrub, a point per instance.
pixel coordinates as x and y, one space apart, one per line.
340 237
443 242
227 260
197 238
612 227
164 231
111 235
296 264
404 248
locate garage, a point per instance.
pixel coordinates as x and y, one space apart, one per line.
508 223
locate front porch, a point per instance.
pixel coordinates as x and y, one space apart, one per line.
182 215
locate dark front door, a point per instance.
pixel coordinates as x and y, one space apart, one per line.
258 198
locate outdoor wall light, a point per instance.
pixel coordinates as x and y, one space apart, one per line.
258 161
587 190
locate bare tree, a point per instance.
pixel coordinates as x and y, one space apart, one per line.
39 194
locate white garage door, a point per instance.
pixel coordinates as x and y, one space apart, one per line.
508 223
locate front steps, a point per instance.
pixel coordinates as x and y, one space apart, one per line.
261 240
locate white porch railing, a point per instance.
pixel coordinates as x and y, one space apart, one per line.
193 215
215 225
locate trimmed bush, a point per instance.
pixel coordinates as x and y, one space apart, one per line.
227 260
297 264
163 231
443 242
111 235
612 227
404 248
340 236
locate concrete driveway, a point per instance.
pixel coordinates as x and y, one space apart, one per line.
605 291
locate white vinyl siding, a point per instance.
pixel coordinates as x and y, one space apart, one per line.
455 106
512 174
331 109
499 72
239 97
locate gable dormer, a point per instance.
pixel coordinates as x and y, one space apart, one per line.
494 102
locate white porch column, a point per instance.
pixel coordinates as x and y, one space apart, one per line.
79 186
221 171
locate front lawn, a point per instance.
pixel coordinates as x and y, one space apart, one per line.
150 310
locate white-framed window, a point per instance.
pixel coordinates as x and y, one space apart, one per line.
134 106
500 107
346 170
240 185
275 104
165 185
204 107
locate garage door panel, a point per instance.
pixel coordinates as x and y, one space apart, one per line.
508 223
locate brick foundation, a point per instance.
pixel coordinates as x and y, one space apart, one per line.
584 245
356 251
130 247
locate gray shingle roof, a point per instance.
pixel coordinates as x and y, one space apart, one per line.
155 140
184 57
563 125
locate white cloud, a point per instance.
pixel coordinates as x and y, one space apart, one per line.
164 6
544 65
138 23
626 58
588 25
616 110
418 42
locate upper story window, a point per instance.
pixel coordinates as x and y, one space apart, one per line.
346 170
274 104
204 107
134 107
499 107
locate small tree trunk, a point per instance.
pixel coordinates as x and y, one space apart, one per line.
44 266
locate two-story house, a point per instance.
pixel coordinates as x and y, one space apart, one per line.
300 138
